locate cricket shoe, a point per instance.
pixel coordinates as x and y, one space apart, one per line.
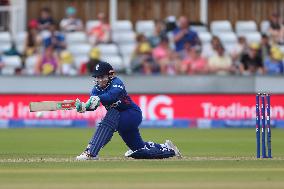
86 156
128 153
171 145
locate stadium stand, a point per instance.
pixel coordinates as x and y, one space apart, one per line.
121 47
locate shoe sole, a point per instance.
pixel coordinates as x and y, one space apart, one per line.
171 145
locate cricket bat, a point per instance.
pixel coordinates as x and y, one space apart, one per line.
52 105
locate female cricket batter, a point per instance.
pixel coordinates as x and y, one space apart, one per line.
123 115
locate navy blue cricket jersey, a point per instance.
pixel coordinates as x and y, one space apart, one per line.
114 96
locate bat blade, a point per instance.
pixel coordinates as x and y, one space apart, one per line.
52 105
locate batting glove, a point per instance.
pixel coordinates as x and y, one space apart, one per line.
93 103
80 106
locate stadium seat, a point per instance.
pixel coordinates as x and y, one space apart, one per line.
115 61
108 49
253 37
79 60
205 37
76 37
11 63
20 41
230 47
124 38
281 47
30 64
264 26
245 26
90 24
5 41
127 49
219 26
122 25
4 46
5 37
199 28
147 27
79 49
228 37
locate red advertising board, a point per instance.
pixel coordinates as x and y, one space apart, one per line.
217 106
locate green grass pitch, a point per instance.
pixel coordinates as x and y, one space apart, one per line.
216 158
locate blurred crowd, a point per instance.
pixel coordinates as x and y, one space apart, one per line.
172 49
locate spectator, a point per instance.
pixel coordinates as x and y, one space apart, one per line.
67 63
45 19
94 59
33 39
13 51
276 30
162 55
183 34
251 62
55 38
210 50
220 63
240 48
71 23
101 32
274 63
159 33
142 60
47 62
194 63
264 47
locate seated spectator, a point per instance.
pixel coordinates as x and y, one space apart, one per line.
276 30
55 38
194 63
45 19
183 34
101 32
251 62
13 51
264 47
220 63
159 33
163 56
273 64
67 63
142 60
240 48
210 50
71 23
33 39
94 59
47 62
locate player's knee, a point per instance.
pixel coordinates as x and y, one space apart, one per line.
111 119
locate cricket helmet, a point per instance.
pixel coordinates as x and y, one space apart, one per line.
102 68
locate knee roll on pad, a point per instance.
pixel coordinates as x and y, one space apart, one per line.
152 153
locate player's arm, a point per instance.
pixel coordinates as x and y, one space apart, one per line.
92 104
107 98
112 95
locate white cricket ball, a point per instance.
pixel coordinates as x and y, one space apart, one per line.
39 114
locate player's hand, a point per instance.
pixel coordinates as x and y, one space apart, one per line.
93 103
80 106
